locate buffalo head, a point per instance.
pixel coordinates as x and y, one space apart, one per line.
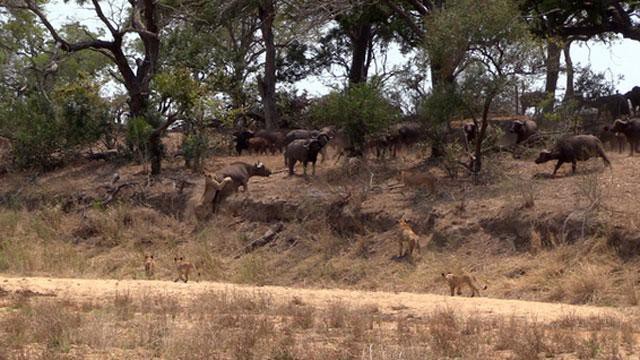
517 127
545 155
620 125
469 130
260 170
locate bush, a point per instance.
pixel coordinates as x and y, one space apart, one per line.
195 148
37 137
360 110
45 132
138 132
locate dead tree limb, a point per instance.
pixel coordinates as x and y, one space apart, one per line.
268 236
111 195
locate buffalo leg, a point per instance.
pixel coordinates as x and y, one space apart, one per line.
573 166
557 167
292 164
313 172
620 145
304 166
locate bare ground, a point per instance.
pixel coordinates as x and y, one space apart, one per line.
412 304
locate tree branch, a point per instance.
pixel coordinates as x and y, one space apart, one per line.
104 19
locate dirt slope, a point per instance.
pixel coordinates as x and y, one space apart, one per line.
413 304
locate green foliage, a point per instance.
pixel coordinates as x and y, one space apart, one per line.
443 104
138 132
360 110
36 135
486 46
591 85
83 114
45 132
195 148
179 86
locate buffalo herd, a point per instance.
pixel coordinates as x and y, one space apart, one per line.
307 145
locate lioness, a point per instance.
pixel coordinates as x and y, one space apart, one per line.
408 236
457 281
184 268
149 265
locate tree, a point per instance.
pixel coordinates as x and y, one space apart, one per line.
267 83
563 22
51 106
569 92
360 110
145 22
494 47
583 19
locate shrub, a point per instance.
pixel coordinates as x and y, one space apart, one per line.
195 148
44 132
360 110
138 132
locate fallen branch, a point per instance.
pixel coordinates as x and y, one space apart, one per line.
112 192
104 155
111 195
268 236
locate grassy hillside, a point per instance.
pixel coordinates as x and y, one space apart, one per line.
526 235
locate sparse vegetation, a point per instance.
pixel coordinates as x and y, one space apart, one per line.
232 325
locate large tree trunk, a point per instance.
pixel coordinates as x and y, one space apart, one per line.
553 70
360 45
440 78
267 84
570 92
477 160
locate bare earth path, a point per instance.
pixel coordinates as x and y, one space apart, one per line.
414 304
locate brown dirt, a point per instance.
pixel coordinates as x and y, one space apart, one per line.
411 304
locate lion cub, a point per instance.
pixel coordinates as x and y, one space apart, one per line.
149 265
408 236
184 268
457 281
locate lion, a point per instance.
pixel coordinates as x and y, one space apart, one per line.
418 179
184 268
211 186
408 236
149 265
456 282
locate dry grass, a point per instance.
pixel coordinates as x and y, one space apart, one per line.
111 242
229 325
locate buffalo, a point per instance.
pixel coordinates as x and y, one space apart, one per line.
241 139
631 130
305 151
613 105
523 129
634 97
276 139
573 149
232 176
259 145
